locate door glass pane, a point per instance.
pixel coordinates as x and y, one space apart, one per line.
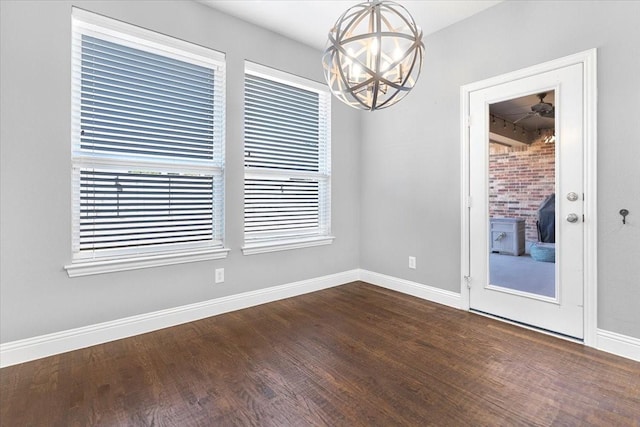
522 191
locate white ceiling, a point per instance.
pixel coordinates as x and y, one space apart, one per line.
309 21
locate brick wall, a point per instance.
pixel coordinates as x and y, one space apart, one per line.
520 178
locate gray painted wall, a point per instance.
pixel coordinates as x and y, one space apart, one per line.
396 173
411 153
36 295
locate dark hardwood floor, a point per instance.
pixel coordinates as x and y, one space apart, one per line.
347 356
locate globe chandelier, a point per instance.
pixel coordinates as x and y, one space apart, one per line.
374 55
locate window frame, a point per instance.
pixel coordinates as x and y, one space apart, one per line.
322 176
101 260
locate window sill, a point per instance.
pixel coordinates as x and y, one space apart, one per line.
86 268
284 245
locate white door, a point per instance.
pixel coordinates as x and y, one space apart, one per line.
559 310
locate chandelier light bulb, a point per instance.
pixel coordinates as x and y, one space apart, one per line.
356 72
373 47
374 55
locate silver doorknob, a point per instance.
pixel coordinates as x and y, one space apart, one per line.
572 197
572 217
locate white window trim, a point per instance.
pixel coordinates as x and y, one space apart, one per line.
283 244
168 45
87 268
283 77
90 22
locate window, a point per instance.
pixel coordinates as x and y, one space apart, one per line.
287 186
147 148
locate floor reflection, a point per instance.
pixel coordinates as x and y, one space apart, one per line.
522 273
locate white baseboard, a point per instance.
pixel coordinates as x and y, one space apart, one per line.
618 344
15 352
611 342
429 293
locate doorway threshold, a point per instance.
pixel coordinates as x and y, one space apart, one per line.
527 326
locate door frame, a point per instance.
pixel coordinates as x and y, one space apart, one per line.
588 59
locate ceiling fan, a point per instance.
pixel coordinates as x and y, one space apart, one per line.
541 109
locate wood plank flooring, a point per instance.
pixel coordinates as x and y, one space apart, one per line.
354 355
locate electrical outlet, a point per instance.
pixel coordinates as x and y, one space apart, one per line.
412 262
219 275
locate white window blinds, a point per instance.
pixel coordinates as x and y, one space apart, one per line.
148 117
287 157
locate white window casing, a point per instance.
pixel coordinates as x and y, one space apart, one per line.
287 153
147 148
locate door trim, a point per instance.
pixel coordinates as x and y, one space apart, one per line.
588 59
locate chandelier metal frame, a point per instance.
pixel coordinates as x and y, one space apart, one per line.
374 55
